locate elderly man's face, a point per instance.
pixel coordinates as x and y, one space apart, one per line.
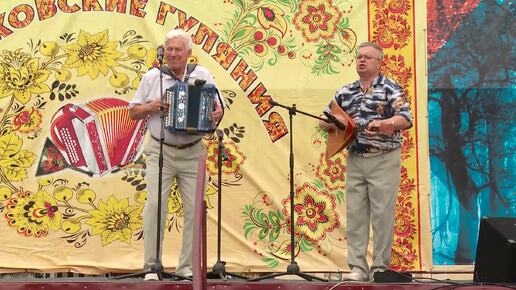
176 54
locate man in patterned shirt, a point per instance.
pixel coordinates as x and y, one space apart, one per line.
373 175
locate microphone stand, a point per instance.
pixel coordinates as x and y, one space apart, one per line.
293 267
157 267
220 266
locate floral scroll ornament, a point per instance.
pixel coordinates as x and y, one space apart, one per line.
315 211
231 165
33 215
272 17
317 19
22 76
391 30
60 208
263 30
27 121
332 171
92 54
115 220
14 161
404 253
390 26
232 158
316 218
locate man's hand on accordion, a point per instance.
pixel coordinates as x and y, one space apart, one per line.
142 111
155 106
216 115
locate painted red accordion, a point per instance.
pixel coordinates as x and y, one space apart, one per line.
98 136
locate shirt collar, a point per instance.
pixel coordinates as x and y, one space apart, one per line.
377 81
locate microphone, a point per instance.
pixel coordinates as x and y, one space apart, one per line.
334 120
199 83
160 53
273 103
196 83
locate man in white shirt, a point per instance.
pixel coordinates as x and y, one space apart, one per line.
181 153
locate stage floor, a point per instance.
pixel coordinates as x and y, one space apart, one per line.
271 284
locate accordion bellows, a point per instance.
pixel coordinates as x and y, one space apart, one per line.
99 136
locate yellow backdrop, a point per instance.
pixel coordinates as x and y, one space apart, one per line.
68 68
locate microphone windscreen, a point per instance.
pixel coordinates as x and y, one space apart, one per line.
199 83
335 121
160 53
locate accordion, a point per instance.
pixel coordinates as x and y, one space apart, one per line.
190 108
99 136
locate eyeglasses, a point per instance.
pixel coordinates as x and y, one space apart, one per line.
366 57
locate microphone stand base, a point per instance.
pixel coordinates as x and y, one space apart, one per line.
218 271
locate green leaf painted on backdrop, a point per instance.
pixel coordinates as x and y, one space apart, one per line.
263 233
260 218
306 245
318 183
275 219
340 196
242 33
274 234
249 227
239 3
271 262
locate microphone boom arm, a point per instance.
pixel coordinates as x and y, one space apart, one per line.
330 118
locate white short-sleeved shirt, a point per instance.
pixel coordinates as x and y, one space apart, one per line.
149 90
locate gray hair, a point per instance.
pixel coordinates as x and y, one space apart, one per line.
373 45
179 33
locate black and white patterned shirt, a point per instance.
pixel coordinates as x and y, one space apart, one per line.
383 100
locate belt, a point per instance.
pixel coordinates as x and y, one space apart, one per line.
180 147
370 154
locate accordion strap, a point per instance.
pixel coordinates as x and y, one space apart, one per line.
164 69
189 69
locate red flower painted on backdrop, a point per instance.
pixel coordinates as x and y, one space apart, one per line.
27 121
331 171
317 19
229 166
316 212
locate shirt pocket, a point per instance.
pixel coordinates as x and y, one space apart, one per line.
378 104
